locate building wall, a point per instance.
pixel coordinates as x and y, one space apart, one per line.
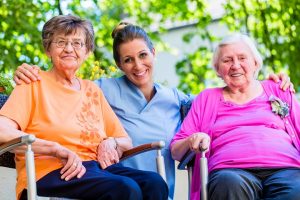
165 71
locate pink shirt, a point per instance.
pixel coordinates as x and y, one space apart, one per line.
243 136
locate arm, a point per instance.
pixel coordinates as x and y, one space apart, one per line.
194 142
9 130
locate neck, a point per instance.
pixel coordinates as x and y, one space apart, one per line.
67 78
148 91
244 94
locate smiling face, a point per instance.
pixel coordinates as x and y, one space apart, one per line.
136 61
236 65
68 58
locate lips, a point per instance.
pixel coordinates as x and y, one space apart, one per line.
140 74
236 75
68 57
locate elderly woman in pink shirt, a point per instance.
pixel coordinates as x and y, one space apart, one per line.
251 129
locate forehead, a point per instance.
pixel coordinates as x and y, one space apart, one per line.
75 34
237 48
133 46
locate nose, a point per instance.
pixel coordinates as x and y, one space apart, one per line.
138 63
68 47
236 63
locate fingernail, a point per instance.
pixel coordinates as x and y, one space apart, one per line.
66 179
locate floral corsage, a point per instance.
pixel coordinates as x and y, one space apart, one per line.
279 107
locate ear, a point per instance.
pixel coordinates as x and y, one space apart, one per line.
255 64
153 52
48 54
87 54
119 66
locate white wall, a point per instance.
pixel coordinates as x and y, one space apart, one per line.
165 71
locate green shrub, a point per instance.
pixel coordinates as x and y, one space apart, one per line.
6 83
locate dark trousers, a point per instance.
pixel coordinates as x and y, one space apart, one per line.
253 184
115 182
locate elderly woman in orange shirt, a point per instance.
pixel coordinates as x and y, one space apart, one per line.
79 138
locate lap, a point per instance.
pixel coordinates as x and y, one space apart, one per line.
269 183
284 184
103 181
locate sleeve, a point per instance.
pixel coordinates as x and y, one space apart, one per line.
190 124
184 98
295 113
112 125
20 105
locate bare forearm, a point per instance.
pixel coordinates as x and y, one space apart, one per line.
9 130
123 144
179 149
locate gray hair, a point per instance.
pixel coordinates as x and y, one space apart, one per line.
67 24
234 38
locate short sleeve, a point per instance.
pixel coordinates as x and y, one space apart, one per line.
19 106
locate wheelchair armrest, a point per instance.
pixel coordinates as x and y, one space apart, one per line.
187 160
142 148
10 145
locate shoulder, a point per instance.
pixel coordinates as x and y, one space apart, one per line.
171 94
90 86
273 88
209 94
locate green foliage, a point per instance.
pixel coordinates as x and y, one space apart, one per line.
274 25
6 83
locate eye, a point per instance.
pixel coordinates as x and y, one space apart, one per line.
226 61
143 55
61 43
242 58
127 60
77 44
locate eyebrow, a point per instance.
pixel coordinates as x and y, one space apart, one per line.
63 38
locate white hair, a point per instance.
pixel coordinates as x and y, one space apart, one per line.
234 38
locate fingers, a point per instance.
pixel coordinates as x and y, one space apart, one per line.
274 77
72 164
292 89
76 170
107 159
285 81
199 142
107 155
26 73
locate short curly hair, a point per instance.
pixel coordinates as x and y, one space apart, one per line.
68 24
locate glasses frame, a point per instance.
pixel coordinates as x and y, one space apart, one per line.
66 42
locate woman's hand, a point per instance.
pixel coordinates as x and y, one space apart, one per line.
107 153
285 81
71 161
198 142
26 73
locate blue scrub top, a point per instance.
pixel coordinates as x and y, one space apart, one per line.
146 122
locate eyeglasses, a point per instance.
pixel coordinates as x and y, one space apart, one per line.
64 43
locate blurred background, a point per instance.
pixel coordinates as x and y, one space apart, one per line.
184 33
